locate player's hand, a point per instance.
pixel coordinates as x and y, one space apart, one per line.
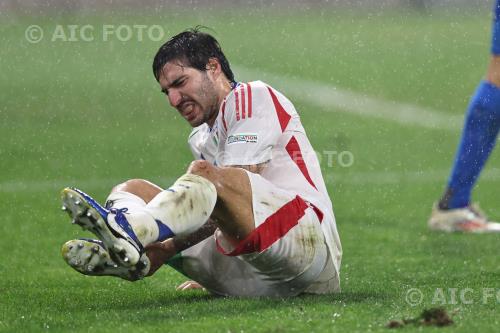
190 284
158 253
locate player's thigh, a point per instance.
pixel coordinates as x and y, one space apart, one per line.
233 211
287 245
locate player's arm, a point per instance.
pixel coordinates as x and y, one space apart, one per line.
160 252
254 168
182 243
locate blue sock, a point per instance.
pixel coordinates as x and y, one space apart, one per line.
164 232
482 124
495 34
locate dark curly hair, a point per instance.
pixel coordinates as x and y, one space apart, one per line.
194 48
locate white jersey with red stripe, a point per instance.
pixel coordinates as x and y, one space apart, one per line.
257 124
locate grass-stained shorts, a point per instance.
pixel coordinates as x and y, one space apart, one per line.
284 255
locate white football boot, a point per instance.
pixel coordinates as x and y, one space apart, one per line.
468 219
90 257
110 226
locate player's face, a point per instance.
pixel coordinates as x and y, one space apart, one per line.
191 91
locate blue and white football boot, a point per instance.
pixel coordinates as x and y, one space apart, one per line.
90 257
110 226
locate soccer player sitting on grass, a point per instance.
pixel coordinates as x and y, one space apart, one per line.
251 216
454 211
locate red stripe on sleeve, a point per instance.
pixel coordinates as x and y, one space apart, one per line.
224 115
242 88
293 149
249 97
237 104
283 116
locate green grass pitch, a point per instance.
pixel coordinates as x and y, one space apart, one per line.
89 114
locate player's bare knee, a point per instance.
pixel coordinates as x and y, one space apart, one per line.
204 169
131 186
139 187
208 171
199 167
134 186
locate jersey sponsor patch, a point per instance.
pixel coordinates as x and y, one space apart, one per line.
242 138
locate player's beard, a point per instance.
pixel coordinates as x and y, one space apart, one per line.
210 104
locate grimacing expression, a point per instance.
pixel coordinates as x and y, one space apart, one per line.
191 91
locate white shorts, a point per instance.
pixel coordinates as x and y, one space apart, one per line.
285 255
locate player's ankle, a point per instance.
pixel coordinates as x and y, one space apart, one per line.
443 203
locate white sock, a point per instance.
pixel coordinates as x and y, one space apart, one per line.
183 208
186 205
143 224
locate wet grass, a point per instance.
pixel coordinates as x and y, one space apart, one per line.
90 114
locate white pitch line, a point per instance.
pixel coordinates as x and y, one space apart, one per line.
333 99
328 98
354 178
56 185
411 177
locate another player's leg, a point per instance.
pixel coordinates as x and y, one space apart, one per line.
454 211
